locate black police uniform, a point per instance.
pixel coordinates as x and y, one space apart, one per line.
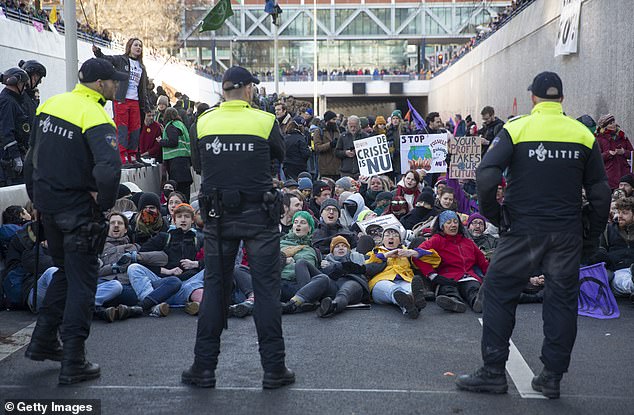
73 153
237 145
549 158
14 135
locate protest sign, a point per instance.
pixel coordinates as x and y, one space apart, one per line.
426 151
373 155
465 157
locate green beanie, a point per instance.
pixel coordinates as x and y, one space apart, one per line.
397 113
305 215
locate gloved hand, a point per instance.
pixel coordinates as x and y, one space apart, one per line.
333 143
127 258
353 268
18 165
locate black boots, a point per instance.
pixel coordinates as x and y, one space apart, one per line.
274 380
485 379
121 312
327 307
75 367
547 383
44 346
242 309
106 314
195 376
451 304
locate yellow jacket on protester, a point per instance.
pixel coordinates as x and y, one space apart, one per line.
401 266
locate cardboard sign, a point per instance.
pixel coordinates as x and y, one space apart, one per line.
465 157
427 152
373 155
381 222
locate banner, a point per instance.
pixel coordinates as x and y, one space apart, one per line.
466 153
373 155
596 299
374 227
427 152
568 34
217 16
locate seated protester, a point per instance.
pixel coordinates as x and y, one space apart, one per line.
329 227
616 248
445 200
344 184
117 255
423 210
160 288
321 191
455 276
125 206
168 188
342 282
534 290
365 245
292 204
243 295
370 188
382 202
409 187
174 199
19 273
464 203
301 259
305 186
476 225
351 209
398 207
13 218
148 222
392 279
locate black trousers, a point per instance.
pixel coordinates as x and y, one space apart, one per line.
70 298
465 291
515 259
262 241
345 290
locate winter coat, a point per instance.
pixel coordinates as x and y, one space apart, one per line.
307 253
335 271
616 166
616 247
349 165
490 130
380 268
348 220
328 162
122 64
323 234
114 248
297 151
458 257
487 243
177 245
416 216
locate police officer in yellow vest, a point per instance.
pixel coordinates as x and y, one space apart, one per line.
550 158
237 145
72 174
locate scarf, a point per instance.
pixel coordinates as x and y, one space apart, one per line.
333 258
149 223
409 191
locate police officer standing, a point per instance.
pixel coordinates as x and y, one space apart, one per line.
549 158
239 206
36 72
72 175
14 126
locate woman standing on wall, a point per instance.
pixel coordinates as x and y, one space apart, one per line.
131 97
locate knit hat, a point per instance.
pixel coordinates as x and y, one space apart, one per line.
604 120
363 215
291 183
397 113
426 197
162 99
327 203
383 196
338 240
305 215
299 120
345 183
329 115
475 216
149 199
628 178
183 207
396 228
380 120
305 183
306 175
364 122
319 186
446 216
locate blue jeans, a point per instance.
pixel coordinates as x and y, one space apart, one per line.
383 291
106 290
145 282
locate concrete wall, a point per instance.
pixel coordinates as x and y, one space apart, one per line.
598 79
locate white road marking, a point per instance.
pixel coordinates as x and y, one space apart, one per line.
15 342
521 374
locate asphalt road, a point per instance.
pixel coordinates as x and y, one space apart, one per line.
361 362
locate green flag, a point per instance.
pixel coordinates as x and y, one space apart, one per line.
217 16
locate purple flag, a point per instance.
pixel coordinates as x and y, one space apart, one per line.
595 296
418 120
38 26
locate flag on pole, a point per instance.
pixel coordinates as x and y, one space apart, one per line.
418 120
52 17
217 16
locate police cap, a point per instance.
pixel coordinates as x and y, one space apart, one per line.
95 68
237 77
547 85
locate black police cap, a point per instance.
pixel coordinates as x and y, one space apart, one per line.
95 68
237 77
547 85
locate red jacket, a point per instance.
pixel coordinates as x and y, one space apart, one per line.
458 256
147 140
616 166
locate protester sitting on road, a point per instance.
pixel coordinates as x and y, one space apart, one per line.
174 199
371 187
148 222
159 288
445 200
392 279
344 184
301 258
409 187
423 210
398 207
328 227
476 227
382 202
458 276
342 282
320 192
351 209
